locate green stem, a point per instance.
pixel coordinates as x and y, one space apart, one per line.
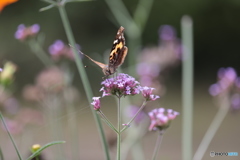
84 78
157 146
187 84
107 121
214 126
39 52
119 128
140 109
1 154
9 134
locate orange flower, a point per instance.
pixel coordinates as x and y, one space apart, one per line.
4 3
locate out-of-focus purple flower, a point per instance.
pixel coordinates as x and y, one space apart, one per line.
147 93
122 85
24 32
96 103
56 47
227 78
215 89
167 33
235 101
1 69
59 49
237 82
148 69
132 110
161 119
35 28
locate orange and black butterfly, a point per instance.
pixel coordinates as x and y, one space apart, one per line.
117 54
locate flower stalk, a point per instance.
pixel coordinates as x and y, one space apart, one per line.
9 134
140 109
84 78
39 52
214 126
119 128
158 144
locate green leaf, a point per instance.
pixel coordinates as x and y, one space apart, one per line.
47 7
44 147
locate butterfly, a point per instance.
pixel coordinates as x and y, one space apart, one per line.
117 55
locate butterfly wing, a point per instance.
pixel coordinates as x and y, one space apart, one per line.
118 51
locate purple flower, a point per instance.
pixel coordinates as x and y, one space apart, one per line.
161 119
59 49
227 78
167 33
147 93
96 103
56 47
215 89
35 28
24 32
122 85
235 101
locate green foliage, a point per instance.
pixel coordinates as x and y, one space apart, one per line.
44 147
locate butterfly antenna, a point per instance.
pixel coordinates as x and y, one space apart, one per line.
98 63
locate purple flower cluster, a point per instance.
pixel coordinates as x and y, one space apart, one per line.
147 93
122 85
155 61
59 49
24 32
227 77
161 118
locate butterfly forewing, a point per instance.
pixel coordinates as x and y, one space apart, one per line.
117 54
119 50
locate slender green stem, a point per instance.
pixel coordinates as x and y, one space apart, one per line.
1 154
214 126
84 78
119 128
187 84
39 52
140 109
9 134
107 121
157 146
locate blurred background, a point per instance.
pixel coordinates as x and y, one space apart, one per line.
216 29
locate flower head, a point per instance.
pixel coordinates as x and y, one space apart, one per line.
227 77
147 93
7 73
167 33
59 49
161 118
122 85
35 148
96 103
24 32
